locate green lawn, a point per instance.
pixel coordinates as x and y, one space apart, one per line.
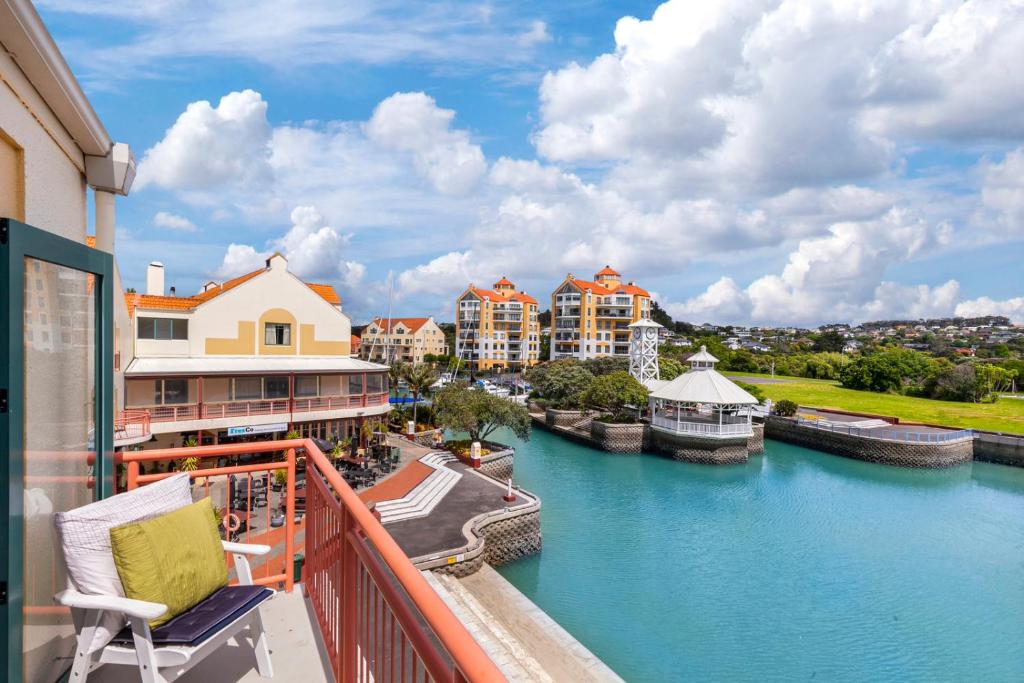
1007 415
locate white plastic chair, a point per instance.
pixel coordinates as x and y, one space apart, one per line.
160 664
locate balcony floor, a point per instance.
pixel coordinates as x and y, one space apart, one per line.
294 644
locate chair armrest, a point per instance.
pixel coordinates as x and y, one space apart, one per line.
111 603
246 548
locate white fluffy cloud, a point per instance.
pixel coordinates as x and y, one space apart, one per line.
163 219
770 94
209 146
314 250
1011 308
1002 192
412 122
834 278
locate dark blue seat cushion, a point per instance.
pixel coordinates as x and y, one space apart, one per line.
205 619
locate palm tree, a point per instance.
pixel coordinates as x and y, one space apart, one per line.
397 372
419 377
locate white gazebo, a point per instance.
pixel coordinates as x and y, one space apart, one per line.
702 402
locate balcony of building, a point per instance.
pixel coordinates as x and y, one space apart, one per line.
615 313
131 427
355 610
177 403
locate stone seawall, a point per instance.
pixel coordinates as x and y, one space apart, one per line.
705 451
1004 449
497 537
898 453
498 464
564 418
618 438
755 444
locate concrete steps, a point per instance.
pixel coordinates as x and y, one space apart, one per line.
422 500
500 645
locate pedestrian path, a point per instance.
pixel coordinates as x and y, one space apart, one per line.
421 501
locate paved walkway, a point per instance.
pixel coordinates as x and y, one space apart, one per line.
441 530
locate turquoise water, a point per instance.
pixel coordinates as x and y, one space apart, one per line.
797 566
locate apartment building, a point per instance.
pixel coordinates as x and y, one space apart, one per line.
590 318
261 354
407 340
497 328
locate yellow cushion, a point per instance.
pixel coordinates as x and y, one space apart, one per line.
176 559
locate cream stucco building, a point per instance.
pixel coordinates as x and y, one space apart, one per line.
263 353
407 340
497 328
591 318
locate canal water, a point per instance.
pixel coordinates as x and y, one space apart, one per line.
796 566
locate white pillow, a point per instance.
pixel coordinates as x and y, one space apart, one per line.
85 539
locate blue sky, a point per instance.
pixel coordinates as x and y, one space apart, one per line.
765 162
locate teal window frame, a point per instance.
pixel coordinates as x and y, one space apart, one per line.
19 241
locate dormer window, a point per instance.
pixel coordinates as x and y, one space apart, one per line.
277 334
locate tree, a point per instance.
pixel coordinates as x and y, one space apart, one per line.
612 393
829 341
464 409
785 408
419 377
605 365
660 316
562 381
396 372
669 368
887 371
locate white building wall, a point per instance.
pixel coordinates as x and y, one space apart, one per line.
54 179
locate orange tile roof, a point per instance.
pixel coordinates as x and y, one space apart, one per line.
504 282
413 324
503 296
607 270
599 288
90 241
188 303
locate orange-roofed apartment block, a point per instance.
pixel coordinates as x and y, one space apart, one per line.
591 318
408 340
497 328
253 357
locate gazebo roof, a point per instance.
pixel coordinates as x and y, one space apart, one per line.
703 386
702 355
645 322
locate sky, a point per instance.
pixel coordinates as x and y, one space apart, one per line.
747 161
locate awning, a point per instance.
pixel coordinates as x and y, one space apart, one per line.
231 365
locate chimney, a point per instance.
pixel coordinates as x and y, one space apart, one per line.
173 292
155 279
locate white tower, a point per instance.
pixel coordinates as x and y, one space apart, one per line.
643 350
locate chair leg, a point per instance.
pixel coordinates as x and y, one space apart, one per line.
83 660
145 652
261 645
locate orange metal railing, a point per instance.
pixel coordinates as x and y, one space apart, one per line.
379 618
239 499
131 424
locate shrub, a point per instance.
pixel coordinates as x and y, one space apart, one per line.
785 408
615 392
752 389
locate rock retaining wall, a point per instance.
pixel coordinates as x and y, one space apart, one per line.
498 537
1004 449
618 438
705 451
755 444
498 463
564 418
898 453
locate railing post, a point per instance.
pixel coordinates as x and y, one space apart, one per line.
349 607
289 523
133 474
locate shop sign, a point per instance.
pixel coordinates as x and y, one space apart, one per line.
258 429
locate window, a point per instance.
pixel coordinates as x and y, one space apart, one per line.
355 384
277 334
248 389
374 384
307 386
275 387
175 391
163 328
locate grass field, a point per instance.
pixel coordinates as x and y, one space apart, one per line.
1007 415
